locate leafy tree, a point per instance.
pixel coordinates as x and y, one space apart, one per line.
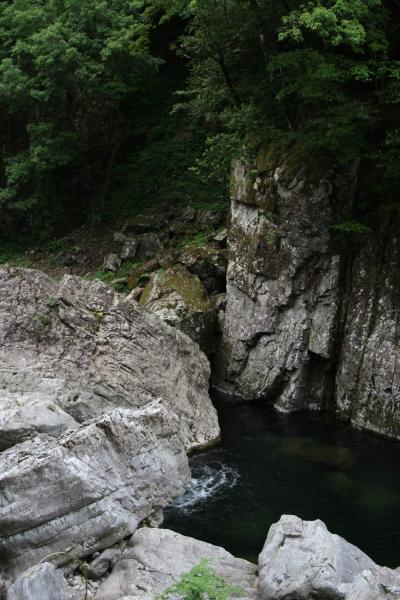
73 81
322 75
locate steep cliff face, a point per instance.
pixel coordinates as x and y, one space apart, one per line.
309 323
368 375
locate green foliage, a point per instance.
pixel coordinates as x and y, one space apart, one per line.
119 278
72 79
52 302
43 321
201 583
110 108
352 227
322 75
195 241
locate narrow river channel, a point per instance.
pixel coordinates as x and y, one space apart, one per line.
309 465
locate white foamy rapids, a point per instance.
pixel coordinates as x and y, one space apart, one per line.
207 481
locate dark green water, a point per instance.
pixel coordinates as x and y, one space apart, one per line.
308 465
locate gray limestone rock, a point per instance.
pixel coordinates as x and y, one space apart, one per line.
112 262
102 563
302 560
42 582
368 376
156 558
90 488
75 350
378 583
283 285
150 246
26 414
129 249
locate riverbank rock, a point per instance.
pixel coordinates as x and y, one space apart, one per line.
312 316
378 583
179 298
22 415
302 560
156 558
90 488
368 375
42 582
282 285
82 350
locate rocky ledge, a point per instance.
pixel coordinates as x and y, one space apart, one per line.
100 401
74 349
301 560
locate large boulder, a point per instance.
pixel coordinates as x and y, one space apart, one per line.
156 558
302 560
378 583
90 488
42 582
209 263
72 350
179 298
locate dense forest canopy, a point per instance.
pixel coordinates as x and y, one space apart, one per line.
108 105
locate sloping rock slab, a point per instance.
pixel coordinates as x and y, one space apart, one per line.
302 560
43 582
156 558
89 489
79 346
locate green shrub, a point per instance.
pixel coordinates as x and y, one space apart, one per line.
201 583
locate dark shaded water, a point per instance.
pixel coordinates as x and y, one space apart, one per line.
308 465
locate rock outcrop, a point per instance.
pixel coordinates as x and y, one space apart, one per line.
179 298
43 582
312 316
368 376
90 488
378 583
282 285
302 559
156 558
72 350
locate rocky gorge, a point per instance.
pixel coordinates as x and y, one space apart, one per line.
103 394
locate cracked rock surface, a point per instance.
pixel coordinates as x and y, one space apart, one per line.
72 350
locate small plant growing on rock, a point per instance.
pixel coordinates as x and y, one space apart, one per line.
52 302
272 237
201 583
43 321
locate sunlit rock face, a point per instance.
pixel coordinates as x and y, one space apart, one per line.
74 349
88 489
312 315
